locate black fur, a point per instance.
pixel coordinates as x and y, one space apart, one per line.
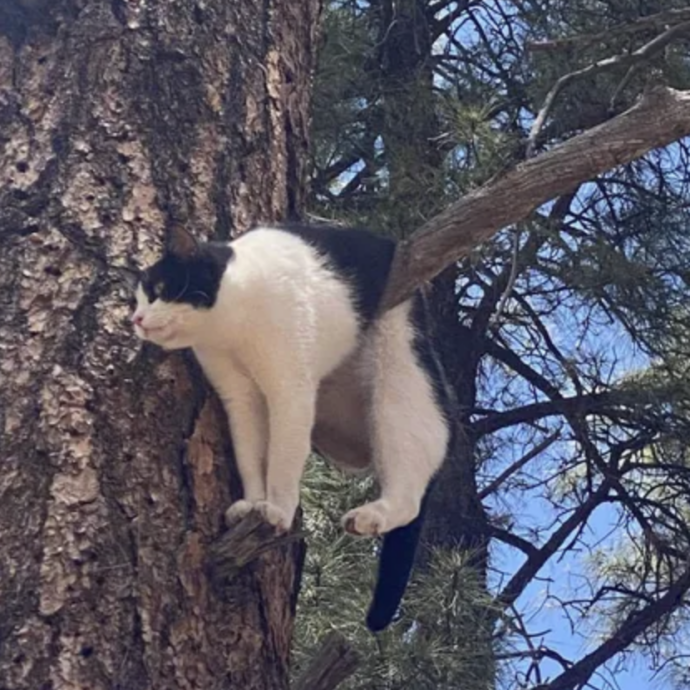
360 257
395 567
194 280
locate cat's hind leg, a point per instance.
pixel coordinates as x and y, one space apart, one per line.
409 432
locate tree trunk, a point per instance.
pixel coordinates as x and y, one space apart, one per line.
115 118
410 120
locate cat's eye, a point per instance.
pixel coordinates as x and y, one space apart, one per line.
149 290
158 290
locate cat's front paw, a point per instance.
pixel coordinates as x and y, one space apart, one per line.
274 515
369 520
237 511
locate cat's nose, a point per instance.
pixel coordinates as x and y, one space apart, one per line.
137 319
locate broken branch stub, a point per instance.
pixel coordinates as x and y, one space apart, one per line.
242 544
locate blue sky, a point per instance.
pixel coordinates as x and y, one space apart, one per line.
528 509
635 675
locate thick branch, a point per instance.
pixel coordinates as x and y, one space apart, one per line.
661 117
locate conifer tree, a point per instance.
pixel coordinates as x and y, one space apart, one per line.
416 103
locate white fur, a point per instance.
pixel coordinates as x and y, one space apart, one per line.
283 348
408 433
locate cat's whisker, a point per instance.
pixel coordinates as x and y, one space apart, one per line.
201 294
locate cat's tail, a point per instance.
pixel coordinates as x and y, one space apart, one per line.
395 566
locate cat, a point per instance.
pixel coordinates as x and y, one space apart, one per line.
284 323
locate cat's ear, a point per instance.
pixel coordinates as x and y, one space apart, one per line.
181 243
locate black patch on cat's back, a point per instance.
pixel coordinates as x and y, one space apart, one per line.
362 258
194 280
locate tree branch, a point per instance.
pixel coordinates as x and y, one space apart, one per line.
536 561
521 368
637 622
626 59
589 403
335 661
660 117
518 465
661 19
512 539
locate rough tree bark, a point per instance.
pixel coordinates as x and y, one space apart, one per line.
116 117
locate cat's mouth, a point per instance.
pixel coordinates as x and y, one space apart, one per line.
149 332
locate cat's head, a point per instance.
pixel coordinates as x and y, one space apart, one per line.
175 295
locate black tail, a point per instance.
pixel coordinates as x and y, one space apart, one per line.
395 566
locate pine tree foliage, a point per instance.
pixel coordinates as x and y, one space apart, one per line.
565 339
430 645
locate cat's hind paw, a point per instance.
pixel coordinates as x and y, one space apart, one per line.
369 520
237 511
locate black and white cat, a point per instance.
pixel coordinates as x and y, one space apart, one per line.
284 323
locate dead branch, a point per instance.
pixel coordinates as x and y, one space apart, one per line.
335 661
657 44
242 544
661 19
661 117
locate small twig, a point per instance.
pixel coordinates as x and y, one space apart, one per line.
335 661
493 485
646 51
242 544
495 319
632 70
665 18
